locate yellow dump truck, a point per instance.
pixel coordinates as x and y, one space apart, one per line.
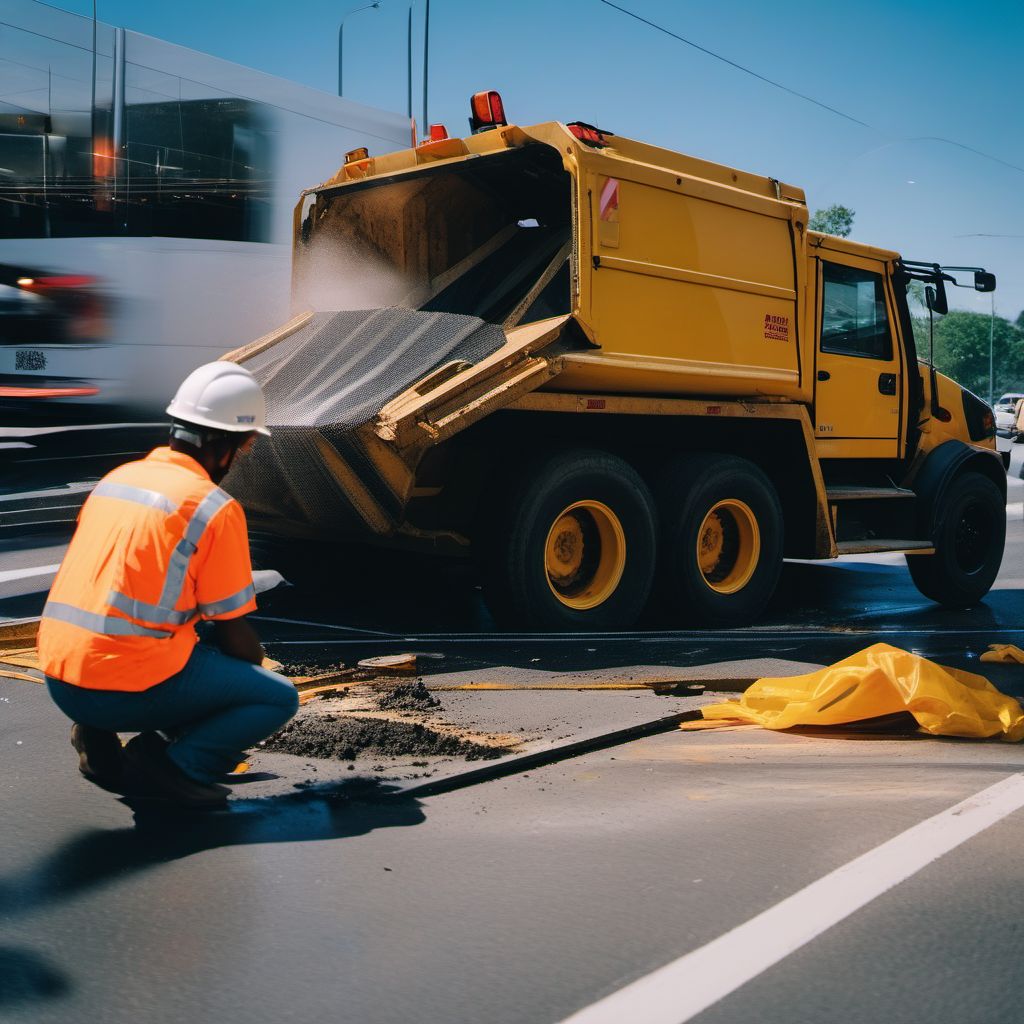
611 374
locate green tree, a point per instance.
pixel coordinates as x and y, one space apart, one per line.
962 350
833 220
1020 320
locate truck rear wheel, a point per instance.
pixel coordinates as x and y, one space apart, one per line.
968 541
721 534
571 545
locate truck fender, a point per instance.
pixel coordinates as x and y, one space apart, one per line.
940 468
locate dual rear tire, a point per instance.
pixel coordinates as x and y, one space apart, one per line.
579 542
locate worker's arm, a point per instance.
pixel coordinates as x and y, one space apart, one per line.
237 639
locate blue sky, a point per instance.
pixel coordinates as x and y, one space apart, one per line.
913 71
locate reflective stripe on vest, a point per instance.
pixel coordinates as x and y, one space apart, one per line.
149 612
163 613
177 567
229 604
140 495
110 625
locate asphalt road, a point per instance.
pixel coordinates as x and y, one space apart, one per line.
533 897
522 900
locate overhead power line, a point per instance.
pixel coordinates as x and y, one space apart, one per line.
739 67
804 96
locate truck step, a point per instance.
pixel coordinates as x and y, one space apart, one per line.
854 492
873 544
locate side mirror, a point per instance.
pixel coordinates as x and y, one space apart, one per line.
984 281
935 297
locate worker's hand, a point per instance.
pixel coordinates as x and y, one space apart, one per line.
237 639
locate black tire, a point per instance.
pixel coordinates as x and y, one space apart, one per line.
687 498
968 540
516 529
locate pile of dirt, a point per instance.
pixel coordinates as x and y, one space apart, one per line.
344 737
408 697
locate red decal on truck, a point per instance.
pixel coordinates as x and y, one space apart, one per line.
776 328
596 403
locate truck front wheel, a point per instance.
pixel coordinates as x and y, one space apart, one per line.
570 545
722 539
969 541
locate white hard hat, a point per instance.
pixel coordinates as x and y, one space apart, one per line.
221 395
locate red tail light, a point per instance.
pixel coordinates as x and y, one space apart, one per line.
486 112
65 281
46 392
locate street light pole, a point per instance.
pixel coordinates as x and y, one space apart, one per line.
341 29
426 54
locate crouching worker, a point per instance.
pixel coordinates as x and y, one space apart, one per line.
158 547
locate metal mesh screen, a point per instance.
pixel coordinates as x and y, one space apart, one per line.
328 378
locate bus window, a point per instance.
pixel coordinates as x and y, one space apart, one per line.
198 169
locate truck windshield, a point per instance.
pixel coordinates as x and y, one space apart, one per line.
487 237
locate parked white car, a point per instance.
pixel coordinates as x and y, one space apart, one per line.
1006 412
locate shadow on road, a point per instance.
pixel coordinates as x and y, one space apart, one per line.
25 977
97 856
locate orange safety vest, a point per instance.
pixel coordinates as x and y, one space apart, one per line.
158 547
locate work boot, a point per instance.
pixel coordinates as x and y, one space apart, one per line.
100 757
156 777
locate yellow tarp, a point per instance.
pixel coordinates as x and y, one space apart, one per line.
880 680
1004 653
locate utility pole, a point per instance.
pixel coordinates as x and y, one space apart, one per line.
408 69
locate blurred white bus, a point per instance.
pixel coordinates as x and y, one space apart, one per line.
146 196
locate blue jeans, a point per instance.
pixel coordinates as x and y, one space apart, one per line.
213 709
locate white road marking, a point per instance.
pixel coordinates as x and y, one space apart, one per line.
22 574
680 990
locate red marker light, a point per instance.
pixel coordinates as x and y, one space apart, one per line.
486 111
438 133
354 155
587 134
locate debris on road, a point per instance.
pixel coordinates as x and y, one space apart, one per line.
412 697
344 737
391 664
1007 654
880 681
385 718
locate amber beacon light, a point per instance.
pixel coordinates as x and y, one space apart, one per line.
486 112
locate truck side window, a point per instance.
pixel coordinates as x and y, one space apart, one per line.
853 319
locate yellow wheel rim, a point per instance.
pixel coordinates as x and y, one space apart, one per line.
585 554
728 546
